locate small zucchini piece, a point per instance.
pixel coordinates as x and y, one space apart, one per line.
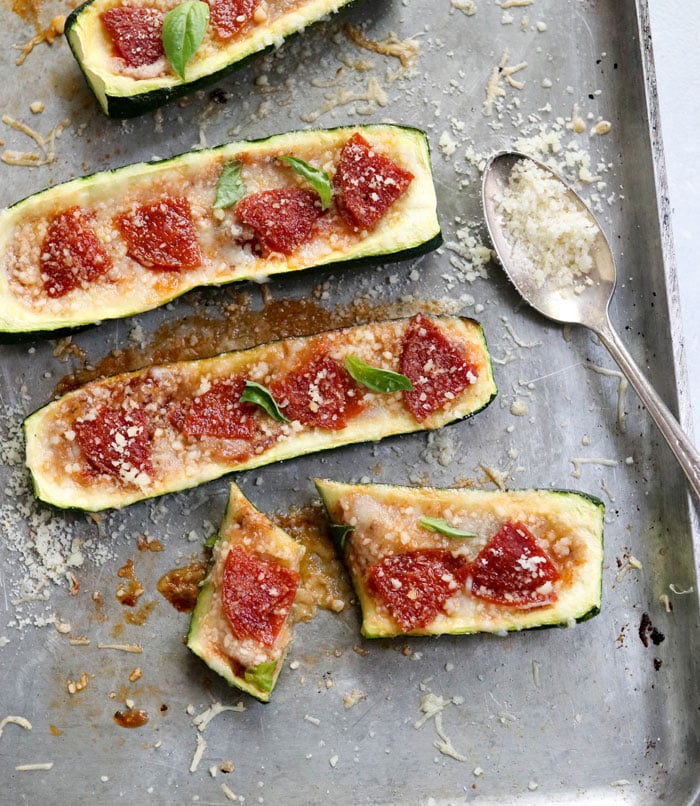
523 558
125 241
241 626
125 90
138 435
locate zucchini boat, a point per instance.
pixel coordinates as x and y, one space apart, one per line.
125 241
241 626
119 45
427 561
137 435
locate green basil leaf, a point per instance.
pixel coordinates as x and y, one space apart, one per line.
183 31
442 526
209 542
378 380
230 188
319 180
261 676
258 394
340 532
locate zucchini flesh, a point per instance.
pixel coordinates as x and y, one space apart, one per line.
97 211
379 523
243 661
123 93
141 434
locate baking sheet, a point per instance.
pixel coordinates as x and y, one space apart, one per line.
587 714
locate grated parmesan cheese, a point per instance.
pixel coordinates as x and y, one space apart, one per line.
547 231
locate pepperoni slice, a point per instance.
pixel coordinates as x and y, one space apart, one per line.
257 595
136 33
161 235
283 218
415 586
219 413
116 441
71 254
367 183
229 16
320 393
513 570
436 368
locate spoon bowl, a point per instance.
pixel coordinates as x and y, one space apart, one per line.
574 303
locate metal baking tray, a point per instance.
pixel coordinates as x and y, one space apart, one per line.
588 714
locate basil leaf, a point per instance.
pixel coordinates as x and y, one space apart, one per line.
261 676
230 188
183 31
256 393
378 380
442 526
319 180
209 542
340 532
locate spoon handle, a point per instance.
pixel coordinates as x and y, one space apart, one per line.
678 441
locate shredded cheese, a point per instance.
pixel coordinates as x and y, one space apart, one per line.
15 720
622 387
405 50
33 159
48 35
202 720
44 765
577 462
198 753
137 649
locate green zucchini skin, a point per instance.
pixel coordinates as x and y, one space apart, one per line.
413 230
585 517
67 492
122 98
239 512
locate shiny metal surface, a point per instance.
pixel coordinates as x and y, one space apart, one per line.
588 714
588 308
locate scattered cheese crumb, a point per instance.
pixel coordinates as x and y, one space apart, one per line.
351 698
136 649
467 7
32 767
577 462
36 107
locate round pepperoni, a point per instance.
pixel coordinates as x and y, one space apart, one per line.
116 441
136 33
415 586
513 570
71 254
219 413
282 218
437 368
229 16
367 183
257 595
319 393
161 235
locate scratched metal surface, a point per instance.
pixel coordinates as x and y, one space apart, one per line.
602 723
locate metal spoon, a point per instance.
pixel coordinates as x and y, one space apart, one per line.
588 308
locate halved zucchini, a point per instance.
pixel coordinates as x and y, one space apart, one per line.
428 561
241 626
133 436
125 241
125 91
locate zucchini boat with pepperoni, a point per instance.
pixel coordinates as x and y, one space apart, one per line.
427 561
137 435
241 626
120 242
119 45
